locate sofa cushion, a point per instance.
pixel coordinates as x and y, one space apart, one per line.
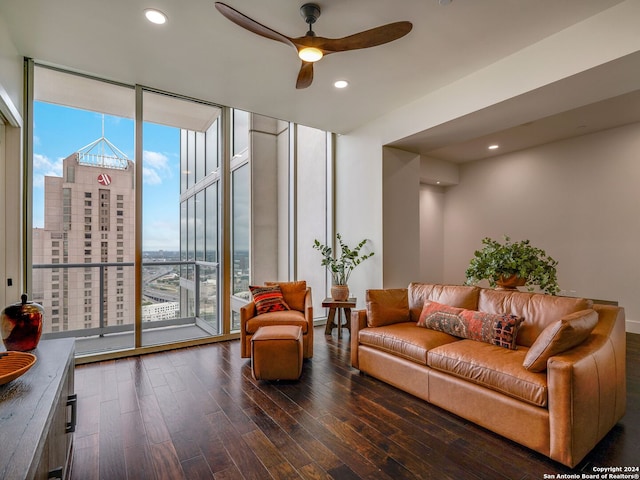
492 367
538 310
568 332
404 340
293 292
496 329
288 317
387 306
268 299
455 295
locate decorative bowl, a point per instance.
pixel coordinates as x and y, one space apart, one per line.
13 364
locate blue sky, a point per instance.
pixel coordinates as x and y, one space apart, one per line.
60 131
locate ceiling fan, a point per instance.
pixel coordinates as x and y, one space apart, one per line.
312 48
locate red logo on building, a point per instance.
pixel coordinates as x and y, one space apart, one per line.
104 179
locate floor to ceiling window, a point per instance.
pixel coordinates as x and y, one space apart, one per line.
152 213
83 197
85 220
312 200
240 214
179 218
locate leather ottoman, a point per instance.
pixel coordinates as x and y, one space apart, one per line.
276 353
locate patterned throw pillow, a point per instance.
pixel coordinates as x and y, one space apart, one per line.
294 293
268 299
496 329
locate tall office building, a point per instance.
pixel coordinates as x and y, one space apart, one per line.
88 219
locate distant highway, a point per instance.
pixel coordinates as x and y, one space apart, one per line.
155 293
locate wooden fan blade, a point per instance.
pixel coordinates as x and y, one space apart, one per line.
251 25
369 38
305 76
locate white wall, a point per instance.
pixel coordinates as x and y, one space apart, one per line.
571 57
301 172
434 171
578 199
3 197
431 234
10 170
264 199
11 217
358 199
283 187
311 210
400 202
10 73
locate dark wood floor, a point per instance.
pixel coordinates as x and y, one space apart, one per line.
197 413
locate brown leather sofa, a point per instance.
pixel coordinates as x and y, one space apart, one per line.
562 411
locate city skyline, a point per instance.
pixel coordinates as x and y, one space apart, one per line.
60 131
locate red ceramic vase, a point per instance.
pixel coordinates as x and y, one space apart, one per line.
21 325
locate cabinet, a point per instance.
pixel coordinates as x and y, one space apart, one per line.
38 415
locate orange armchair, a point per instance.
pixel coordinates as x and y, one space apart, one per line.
298 296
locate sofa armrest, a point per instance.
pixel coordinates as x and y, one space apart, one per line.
358 322
308 306
308 315
587 388
247 312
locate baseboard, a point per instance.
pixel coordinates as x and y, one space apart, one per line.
633 326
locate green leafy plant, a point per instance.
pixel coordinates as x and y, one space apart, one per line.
341 266
498 261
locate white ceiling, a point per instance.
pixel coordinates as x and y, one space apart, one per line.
200 54
54 86
600 98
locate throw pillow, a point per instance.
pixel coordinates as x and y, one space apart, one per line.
461 296
387 306
496 329
268 299
568 332
293 292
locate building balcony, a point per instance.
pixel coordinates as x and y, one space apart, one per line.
95 304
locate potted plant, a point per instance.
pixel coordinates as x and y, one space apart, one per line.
341 266
511 264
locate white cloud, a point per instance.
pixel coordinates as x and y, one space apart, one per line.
42 162
43 166
155 167
150 176
156 160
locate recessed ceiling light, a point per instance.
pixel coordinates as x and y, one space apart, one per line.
493 147
341 84
155 16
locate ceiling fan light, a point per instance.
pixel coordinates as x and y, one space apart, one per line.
310 54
